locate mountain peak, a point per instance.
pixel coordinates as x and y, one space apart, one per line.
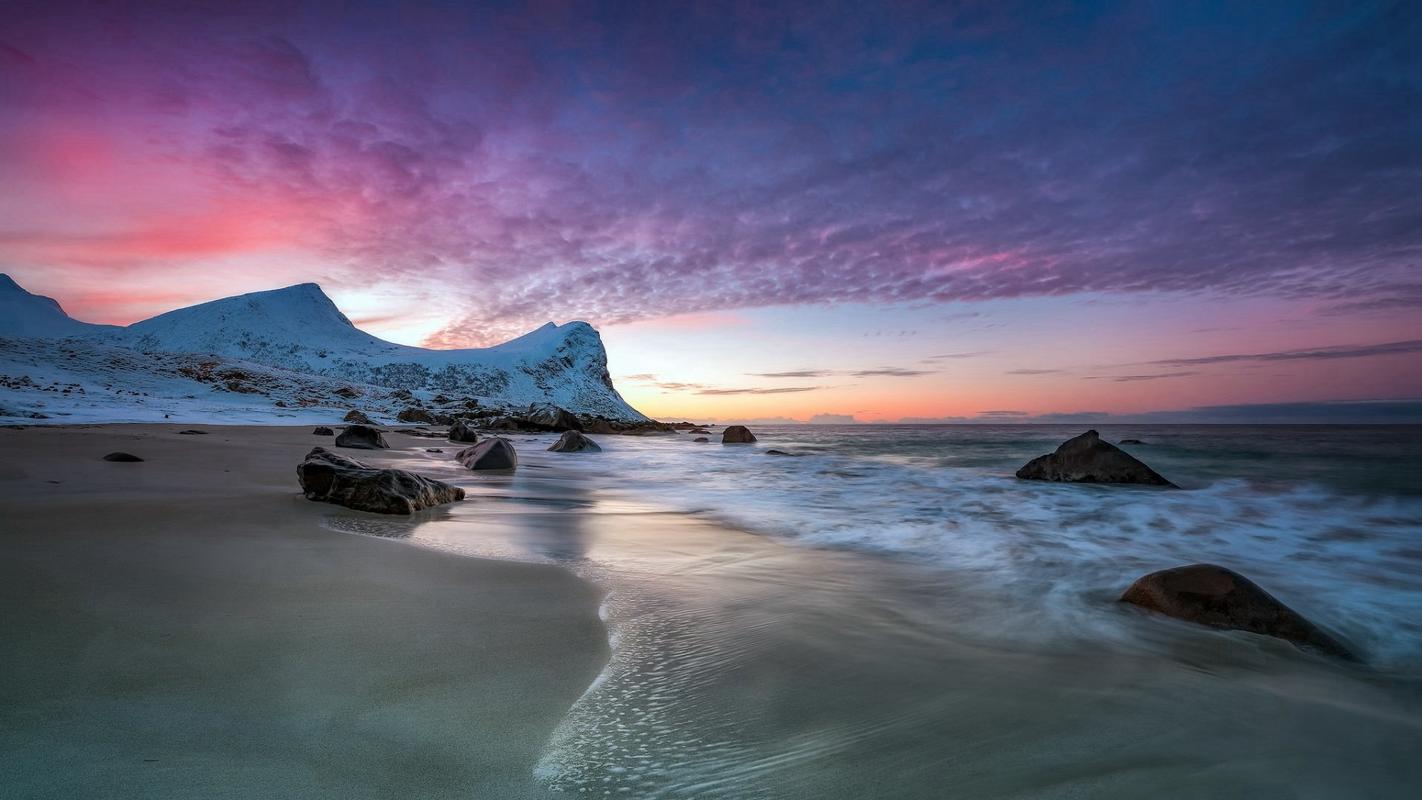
23 313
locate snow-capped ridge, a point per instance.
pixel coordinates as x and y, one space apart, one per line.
298 328
23 314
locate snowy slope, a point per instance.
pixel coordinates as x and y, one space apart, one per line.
25 314
298 330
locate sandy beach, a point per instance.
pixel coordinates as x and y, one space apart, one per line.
184 627
192 626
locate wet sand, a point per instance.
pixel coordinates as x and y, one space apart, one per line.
185 627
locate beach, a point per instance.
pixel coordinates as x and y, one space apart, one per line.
184 627
605 625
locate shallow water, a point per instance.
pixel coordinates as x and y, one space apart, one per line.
951 631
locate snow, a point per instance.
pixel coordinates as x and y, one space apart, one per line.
298 347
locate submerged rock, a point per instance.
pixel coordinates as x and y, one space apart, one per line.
1087 459
494 453
192 432
778 453
123 457
357 417
737 434
322 430
462 431
361 437
433 450
334 478
1132 441
575 442
416 414
701 439
695 431
1221 598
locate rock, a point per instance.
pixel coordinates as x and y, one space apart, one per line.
1087 459
737 434
416 414
462 431
1220 598
504 424
124 457
1132 441
550 418
322 430
347 392
334 478
191 432
695 431
433 450
357 417
402 394
599 425
574 442
444 419
493 453
777 453
701 439
361 437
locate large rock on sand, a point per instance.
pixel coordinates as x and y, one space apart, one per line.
322 430
462 431
361 437
1087 459
492 453
737 434
334 478
1221 598
575 442
416 414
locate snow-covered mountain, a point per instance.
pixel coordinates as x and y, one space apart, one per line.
25 314
299 330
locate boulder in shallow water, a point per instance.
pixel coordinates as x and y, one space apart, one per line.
1221 598
701 439
416 414
334 478
361 437
322 430
1132 441
737 434
778 453
127 458
1087 459
462 431
696 431
575 442
357 417
492 453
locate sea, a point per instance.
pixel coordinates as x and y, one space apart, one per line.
887 611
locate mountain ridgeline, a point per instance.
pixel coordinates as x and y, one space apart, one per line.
300 330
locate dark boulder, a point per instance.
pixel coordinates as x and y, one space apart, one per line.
778 453
347 392
433 450
462 431
361 437
416 414
598 425
504 424
357 417
122 457
1087 459
1132 441
192 432
701 431
701 439
334 478
1220 598
737 434
575 442
322 430
494 453
548 417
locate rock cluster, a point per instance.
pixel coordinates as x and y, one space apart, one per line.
334 478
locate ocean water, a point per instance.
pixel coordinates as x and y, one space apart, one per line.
889 612
1328 517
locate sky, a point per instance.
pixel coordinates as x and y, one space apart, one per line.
825 210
